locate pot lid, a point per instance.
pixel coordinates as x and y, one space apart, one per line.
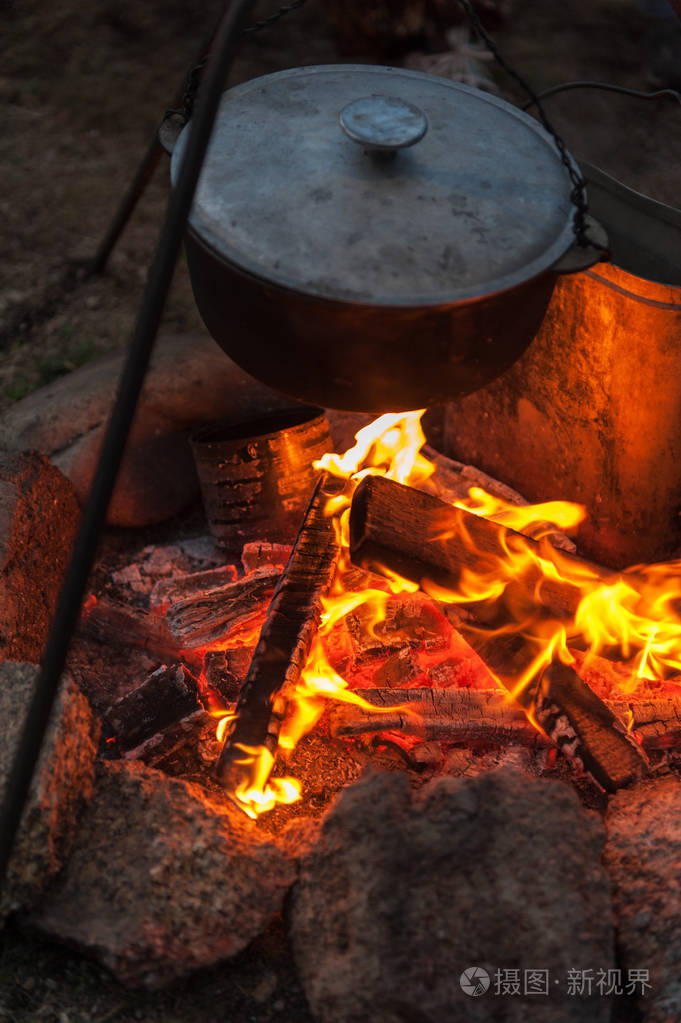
379 185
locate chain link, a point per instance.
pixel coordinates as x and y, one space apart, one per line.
193 81
578 191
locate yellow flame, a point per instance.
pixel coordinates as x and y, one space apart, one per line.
638 612
535 520
390 446
260 792
223 724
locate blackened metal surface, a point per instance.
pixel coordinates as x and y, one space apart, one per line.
366 358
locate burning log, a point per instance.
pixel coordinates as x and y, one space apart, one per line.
285 638
452 481
459 715
486 717
419 537
212 614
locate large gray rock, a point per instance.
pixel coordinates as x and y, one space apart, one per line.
190 382
162 880
643 857
38 519
61 785
403 892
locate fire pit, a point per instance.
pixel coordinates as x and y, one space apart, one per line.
379 673
415 625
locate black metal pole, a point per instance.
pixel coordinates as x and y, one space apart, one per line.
132 378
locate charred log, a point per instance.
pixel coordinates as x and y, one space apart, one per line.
487 717
108 621
286 637
215 614
167 696
472 716
261 553
225 670
184 587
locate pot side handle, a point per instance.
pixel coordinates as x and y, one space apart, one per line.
580 257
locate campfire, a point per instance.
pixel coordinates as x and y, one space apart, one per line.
427 642
410 617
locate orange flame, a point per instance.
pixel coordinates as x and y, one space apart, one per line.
389 446
636 612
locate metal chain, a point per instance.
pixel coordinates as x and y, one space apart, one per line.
578 191
194 77
265 22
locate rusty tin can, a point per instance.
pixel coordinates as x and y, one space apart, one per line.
257 476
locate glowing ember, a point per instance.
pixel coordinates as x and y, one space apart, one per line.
636 612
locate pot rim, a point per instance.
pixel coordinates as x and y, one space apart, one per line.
405 304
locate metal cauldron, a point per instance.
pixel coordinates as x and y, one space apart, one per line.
370 238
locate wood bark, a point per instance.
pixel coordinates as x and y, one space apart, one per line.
472 716
487 717
286 637
183 587
108 621
214 614
421 538
167 696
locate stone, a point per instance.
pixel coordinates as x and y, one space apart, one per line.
163 880
642 856
38 520
404 891
190 382
61 785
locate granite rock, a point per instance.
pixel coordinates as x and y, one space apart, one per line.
163 880
642 855
405 891
190 382
61 785
39 516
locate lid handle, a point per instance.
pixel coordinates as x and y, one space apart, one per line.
383 124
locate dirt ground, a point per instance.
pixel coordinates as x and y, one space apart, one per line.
82 87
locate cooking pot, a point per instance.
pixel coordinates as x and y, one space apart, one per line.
372 239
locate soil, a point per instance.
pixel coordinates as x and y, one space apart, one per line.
82 89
